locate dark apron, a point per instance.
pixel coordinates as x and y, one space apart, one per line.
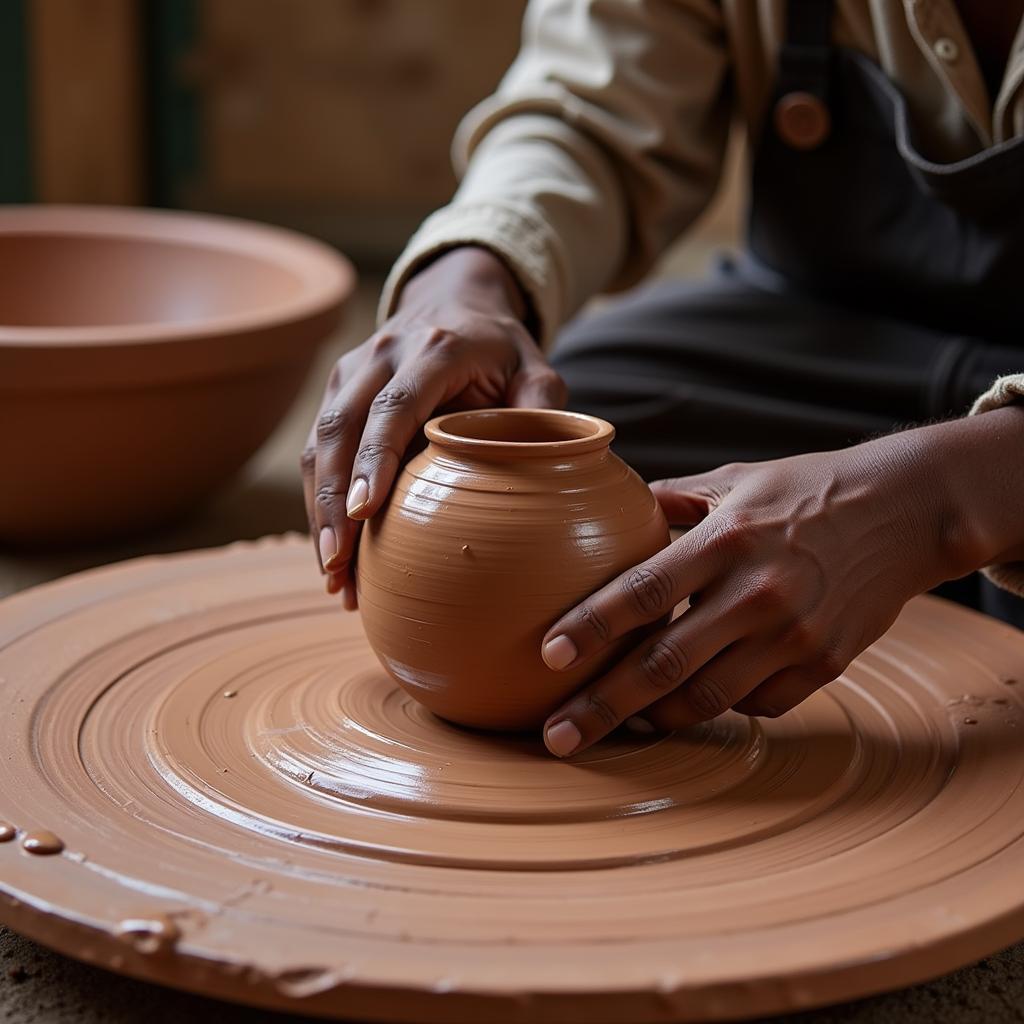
878 289
861 218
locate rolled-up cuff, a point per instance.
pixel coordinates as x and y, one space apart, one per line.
1005 391
521 240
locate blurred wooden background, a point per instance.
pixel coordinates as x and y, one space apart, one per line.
334 116
331 116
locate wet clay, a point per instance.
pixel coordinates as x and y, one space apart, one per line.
144 356
320 842
42 842
506 521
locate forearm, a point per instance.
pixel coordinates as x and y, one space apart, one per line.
988 482
541 198
604 140
970 474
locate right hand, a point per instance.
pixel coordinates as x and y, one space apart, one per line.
456 341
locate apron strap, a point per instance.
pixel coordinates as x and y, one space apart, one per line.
801 116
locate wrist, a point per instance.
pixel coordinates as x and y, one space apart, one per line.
474 275
974 470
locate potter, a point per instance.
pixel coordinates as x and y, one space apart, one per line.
879 286
210 781
503 523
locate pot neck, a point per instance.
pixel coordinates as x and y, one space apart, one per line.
520 435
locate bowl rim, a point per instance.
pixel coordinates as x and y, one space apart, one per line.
441 430
327 277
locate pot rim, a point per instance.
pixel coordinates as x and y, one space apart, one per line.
584 433
325 277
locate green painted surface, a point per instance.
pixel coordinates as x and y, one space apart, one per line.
15 154
172 27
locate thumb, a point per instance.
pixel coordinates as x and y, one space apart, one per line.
686 500
536 386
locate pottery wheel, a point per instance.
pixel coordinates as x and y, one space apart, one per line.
210 783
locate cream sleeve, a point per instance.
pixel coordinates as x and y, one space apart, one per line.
604 140
1005 391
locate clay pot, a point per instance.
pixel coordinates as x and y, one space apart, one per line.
144 356
505 521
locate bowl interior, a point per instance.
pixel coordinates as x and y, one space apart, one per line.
78 280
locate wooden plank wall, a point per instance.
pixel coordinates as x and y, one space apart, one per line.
86 89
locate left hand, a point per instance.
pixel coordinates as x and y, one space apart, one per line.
792 568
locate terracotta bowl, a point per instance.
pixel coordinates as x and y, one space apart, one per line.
506 521
144 356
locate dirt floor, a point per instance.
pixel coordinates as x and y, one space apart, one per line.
39 987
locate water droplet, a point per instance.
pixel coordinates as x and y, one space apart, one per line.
230 693
1001 701
970 721
465 549
149 935
7 832
42 842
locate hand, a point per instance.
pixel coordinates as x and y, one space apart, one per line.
792 568
457 340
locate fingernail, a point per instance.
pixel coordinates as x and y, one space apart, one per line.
639 725
562 738
358 496
328 545
559 653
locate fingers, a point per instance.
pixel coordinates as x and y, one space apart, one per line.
536 385
637 598
338 430
307 461
349 598
659 665
686 500
441 369
723 683
368 422
789 687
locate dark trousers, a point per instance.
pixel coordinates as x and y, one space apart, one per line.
735 368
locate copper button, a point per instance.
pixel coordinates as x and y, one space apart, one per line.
802 120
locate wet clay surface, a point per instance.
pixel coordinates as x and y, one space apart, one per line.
319 842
